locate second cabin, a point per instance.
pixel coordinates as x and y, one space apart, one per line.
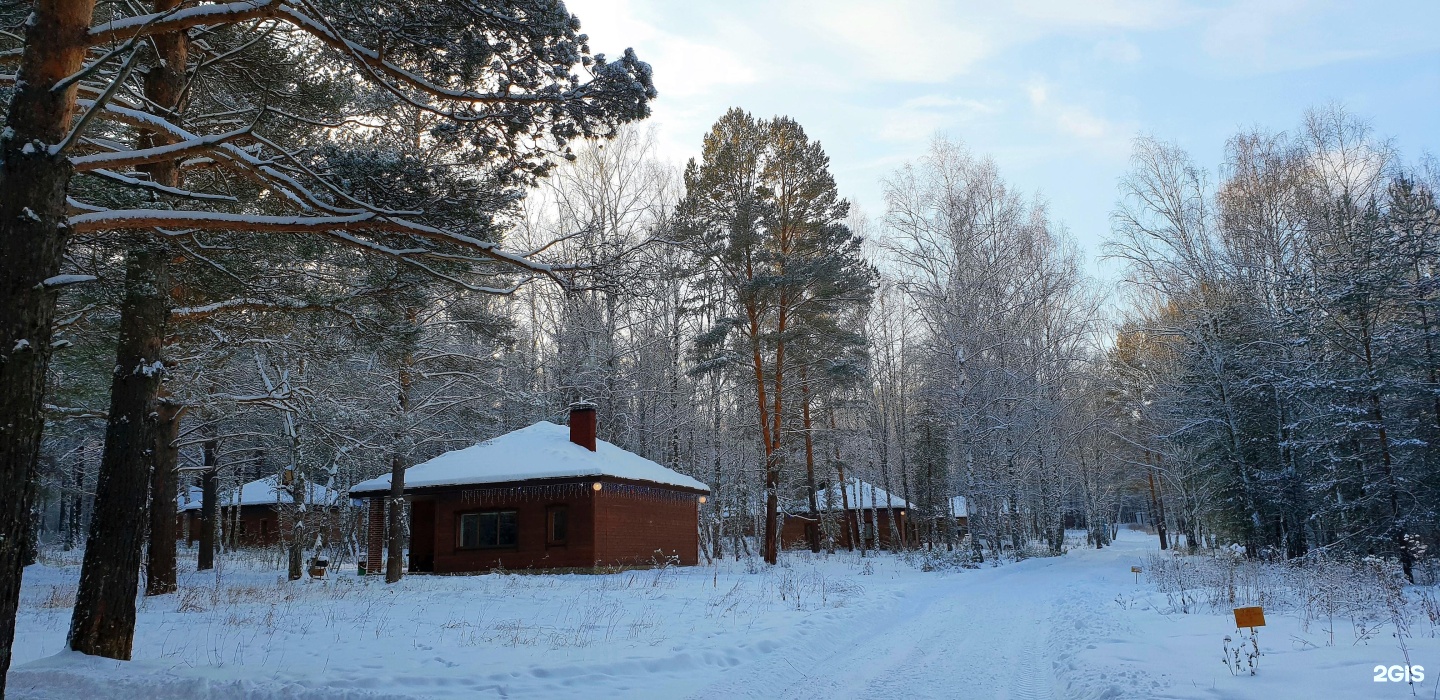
541 497
250 515
871 516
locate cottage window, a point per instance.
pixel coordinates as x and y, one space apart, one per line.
557 527
493 529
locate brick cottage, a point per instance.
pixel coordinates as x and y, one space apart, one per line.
259 503
868 510
543 497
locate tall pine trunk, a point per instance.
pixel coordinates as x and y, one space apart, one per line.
772 457
160 575
209 491
813 529
1157 502
298 523
850 536
104 620
395 556
76 500
33 184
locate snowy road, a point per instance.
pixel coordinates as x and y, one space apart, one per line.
990 633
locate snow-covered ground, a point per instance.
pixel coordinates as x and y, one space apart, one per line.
1077 626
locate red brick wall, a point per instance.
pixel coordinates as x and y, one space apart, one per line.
252 518
374 535
532 553
639 529
422 535
614 526
259 526
792 533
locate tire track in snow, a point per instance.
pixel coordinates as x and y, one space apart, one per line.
968 634
1032 673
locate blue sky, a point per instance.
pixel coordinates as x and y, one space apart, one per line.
1053 90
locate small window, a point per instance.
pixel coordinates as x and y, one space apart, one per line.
495 529
557 525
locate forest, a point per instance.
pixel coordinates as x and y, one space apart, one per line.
326 240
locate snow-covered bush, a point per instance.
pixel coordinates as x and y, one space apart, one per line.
1430 606
1320 589
1242 652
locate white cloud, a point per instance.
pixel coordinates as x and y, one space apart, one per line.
1116 14
1076 120
919 118
1120 51
918 42
1268 36
1081 122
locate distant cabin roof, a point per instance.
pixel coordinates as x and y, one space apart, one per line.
861 494
260 492
541 451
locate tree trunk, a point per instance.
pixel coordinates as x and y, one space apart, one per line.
395 557
104 619
33 185
209 492
76 501
850 537
715 495
297 525
813 529
160 563
1157 510
772 476
395 554
1397 523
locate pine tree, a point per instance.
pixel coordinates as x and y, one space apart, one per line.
762 215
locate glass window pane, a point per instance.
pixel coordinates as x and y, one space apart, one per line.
488 530
469 530
558 524
509 529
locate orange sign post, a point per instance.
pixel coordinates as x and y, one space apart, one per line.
1249 617
1136 570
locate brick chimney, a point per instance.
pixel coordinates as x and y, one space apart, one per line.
582 424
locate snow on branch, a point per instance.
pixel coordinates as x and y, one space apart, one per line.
371 59
217 221
157 187
334 226
366 58
54 412
190 313
231 155
172 20
173 151
59 281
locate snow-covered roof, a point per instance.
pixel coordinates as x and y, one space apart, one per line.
957 506
541 451
862 494
260 492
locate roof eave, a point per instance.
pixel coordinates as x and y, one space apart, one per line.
427 490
